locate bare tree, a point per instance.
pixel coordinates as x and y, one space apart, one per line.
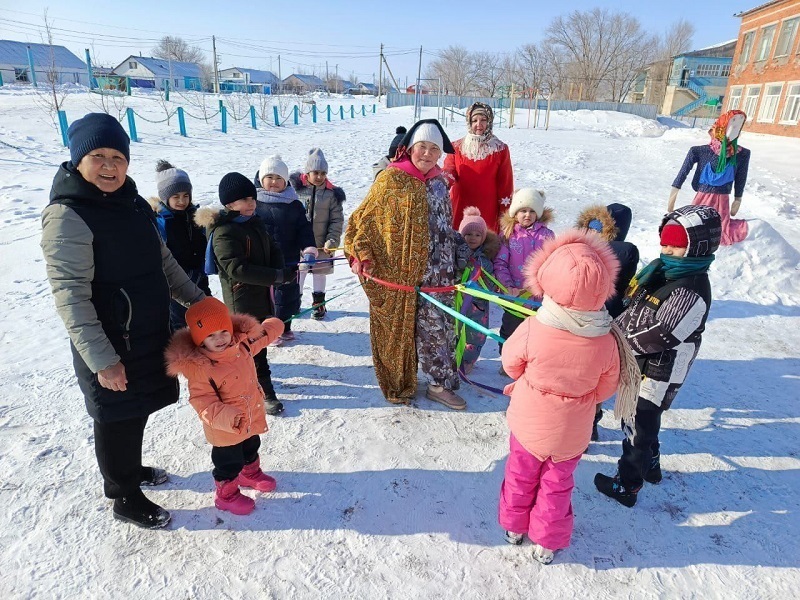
455 66
52 100
490 72
172 47
531 66
676 39
602 47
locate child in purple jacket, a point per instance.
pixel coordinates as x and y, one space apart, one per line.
524 230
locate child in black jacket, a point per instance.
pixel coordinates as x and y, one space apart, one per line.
667 306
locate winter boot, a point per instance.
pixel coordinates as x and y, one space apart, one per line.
253 477
449 398
542 554
272 405
153 476
138 510
514 538
653 474
614 488
319 306
228 497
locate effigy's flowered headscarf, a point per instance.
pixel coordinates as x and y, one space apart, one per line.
725 137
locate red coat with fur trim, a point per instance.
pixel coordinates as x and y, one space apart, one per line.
235 410
485 180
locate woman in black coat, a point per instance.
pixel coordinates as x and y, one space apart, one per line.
112 279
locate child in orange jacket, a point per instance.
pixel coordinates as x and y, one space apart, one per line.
215 353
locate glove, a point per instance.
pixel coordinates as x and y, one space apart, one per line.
673 195
273 328
737 202
330 247
284 275
307 262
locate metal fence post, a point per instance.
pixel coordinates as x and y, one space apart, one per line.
296 114
224 113
131 125
277 116
329 112
364 110
352 112
341 112
181 121
62 124
253 116
314 113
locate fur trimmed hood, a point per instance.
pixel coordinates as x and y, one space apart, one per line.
507 222
600 213
491 245
207 216
183 357
577 269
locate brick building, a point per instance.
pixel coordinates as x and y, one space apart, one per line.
765 77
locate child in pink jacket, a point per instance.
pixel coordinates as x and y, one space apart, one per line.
215 353
565 361
524 230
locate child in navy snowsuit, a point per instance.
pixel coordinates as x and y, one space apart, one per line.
175 219
285 218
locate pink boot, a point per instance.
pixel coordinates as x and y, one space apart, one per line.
253 477
229 498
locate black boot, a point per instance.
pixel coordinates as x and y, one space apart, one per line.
138 510
614 488
319 306
272 405
653 474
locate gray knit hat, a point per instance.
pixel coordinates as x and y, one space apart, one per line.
316 161
171 181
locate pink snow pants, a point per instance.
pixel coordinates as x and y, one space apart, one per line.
536 497
733 230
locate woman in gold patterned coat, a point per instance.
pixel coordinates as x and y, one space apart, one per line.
402 233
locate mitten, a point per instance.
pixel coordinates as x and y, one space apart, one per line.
330 246
673 195
737 202
273 328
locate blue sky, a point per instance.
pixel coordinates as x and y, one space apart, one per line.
306 33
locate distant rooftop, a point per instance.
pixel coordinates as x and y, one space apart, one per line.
166 68
16 53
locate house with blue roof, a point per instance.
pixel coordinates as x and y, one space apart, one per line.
251 81
48 61
149 72
303 84
697 81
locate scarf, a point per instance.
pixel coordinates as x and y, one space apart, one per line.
586 323
726 151
210 266
478 147
405 165
670 268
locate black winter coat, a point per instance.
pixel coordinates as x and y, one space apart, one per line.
130 293
627 254
249 263
186 241
287 224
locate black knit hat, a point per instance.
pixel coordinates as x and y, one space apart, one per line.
400 131
235 186
96 130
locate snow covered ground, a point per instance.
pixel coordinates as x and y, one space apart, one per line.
377 501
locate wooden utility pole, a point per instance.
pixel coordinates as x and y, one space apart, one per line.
216 67
280 79
394 81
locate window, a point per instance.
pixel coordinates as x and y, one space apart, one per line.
735 100
791 110
765 43
747 47
21 75
769 106
708 70
751 100
786 37
133 65
725 71
235 75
